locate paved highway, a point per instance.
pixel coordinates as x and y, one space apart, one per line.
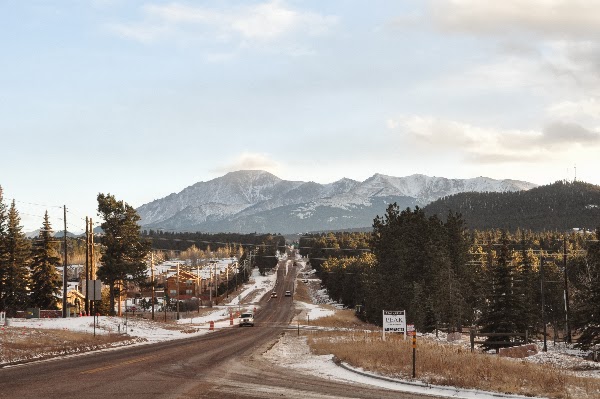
224 364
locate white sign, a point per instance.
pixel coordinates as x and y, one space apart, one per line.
94 290
394 321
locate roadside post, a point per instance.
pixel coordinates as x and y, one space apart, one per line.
411 332
94 292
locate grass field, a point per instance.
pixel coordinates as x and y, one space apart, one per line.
444 364
22 344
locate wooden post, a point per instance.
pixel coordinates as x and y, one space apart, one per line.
64 301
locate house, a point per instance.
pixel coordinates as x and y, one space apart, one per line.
188 285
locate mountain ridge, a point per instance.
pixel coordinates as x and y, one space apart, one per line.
251 200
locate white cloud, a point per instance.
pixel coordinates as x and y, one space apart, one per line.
549 18
258 23
491 145
251 161
589 107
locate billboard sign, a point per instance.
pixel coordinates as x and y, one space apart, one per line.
394 321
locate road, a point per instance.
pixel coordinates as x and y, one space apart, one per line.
224 364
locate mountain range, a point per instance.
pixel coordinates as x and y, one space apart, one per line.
250 201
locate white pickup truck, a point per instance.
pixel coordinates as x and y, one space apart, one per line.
246 319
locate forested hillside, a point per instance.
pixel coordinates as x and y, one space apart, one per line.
558 206
444 275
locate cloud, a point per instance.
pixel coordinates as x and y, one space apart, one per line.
548 18
250 161
563 132
491 145
589 107
258 23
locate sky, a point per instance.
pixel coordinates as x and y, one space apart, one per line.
141 99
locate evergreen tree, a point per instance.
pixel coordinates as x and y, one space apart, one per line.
459 279
124 252
587 298
529 288
413 262
45 280
16 265
501 315
3 249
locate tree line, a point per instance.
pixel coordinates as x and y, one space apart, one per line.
28 267
445 275
558 206
28 275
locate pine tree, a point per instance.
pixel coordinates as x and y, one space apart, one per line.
587 298
3 249
124 252
45 281
16 267
501 315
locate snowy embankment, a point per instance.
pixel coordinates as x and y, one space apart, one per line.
292 351
148 331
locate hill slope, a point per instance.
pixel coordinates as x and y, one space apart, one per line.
558 206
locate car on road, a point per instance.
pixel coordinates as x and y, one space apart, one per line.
288 293
273 294
246 319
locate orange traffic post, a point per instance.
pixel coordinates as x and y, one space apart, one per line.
414 348
211 325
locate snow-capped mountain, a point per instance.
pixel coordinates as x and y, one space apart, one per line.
257 201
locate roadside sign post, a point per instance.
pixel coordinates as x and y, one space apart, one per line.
411 331
394 321
94 292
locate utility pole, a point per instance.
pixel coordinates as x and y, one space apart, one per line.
92 268
567 326
545 349
178 291
152 279
64 301
209 285
87 266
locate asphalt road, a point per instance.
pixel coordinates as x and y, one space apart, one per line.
224 364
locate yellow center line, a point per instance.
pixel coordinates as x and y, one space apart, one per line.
112 366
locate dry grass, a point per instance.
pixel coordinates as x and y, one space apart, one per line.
23 344
447 364
301 292
343 319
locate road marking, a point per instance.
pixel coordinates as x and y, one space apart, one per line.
112 366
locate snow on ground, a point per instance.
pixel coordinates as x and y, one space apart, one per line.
156 332
292 351
312 311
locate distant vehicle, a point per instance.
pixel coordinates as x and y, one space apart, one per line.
288 293
246 319
273 294
305 281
